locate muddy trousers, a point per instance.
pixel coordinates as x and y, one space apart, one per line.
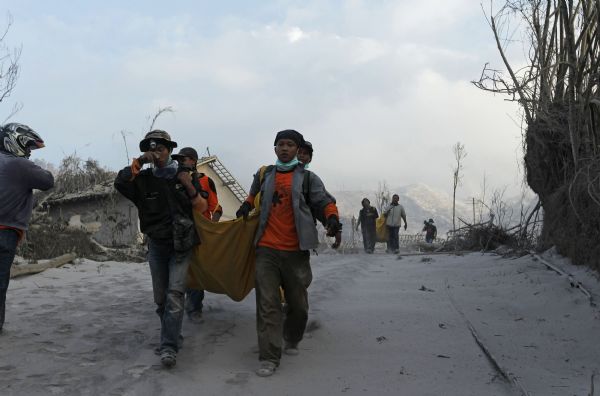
169 271
290 270
369 235
8 248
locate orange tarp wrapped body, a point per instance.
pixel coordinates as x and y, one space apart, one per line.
381 229
224 262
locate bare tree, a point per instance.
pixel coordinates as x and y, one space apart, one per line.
382 197
482 197
557 88
459 155
161 111
9 64
500 209
123 133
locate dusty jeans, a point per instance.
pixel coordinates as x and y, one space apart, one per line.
8 247
291 270
169 271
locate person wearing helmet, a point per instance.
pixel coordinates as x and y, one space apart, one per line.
165 197
188 158
18 177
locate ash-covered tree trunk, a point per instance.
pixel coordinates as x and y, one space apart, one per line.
557 91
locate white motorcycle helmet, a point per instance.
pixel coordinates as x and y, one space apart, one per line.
19 139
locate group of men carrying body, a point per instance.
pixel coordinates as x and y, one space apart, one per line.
167 191
166 198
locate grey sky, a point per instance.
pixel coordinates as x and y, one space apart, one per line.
381 88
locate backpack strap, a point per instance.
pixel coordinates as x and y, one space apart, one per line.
306 187
261 173
212 185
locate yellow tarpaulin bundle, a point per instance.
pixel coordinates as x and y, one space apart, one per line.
224 262
381 229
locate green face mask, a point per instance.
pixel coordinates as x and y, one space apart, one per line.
286 166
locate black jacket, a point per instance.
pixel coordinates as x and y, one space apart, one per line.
367 218
164 208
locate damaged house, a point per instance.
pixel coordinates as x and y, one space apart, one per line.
107 216
111 220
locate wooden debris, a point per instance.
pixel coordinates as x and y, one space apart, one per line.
19 270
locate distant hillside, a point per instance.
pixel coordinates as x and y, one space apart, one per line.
420 201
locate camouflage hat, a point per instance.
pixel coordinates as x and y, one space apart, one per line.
186 152
159 137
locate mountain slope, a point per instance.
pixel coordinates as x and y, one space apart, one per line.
420 201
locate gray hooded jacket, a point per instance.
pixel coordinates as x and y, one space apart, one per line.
18 177
305 224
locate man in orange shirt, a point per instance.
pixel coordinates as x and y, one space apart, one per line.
188 158
285 236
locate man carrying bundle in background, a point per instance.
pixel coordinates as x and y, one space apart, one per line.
394 215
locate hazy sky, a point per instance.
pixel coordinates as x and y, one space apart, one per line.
381 88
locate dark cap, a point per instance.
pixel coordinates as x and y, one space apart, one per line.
307 146
186 152
290 134
159 137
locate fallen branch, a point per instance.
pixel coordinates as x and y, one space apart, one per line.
436 252
572 281
507 375
19 270
103 248
116 253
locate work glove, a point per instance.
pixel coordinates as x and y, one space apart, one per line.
244 210
333 226
338 240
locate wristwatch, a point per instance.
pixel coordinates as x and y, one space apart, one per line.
203 194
